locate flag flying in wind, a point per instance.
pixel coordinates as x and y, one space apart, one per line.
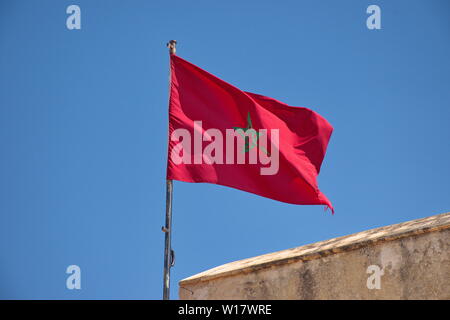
220 134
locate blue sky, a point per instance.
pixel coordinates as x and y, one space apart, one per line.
83 133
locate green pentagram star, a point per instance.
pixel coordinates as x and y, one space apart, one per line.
255 135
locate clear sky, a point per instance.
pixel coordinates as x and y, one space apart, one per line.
83 132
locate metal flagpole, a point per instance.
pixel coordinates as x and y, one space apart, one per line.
169 255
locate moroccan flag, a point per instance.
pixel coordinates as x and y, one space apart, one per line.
222 135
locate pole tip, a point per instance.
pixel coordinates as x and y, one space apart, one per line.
172 46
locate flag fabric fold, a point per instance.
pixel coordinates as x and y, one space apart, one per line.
222 135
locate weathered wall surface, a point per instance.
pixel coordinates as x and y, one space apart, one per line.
409 260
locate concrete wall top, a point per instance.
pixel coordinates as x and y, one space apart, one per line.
325 248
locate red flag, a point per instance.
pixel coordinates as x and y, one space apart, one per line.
222 135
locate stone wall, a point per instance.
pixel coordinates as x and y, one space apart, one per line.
410 260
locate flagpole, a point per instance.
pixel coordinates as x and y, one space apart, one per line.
169 256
